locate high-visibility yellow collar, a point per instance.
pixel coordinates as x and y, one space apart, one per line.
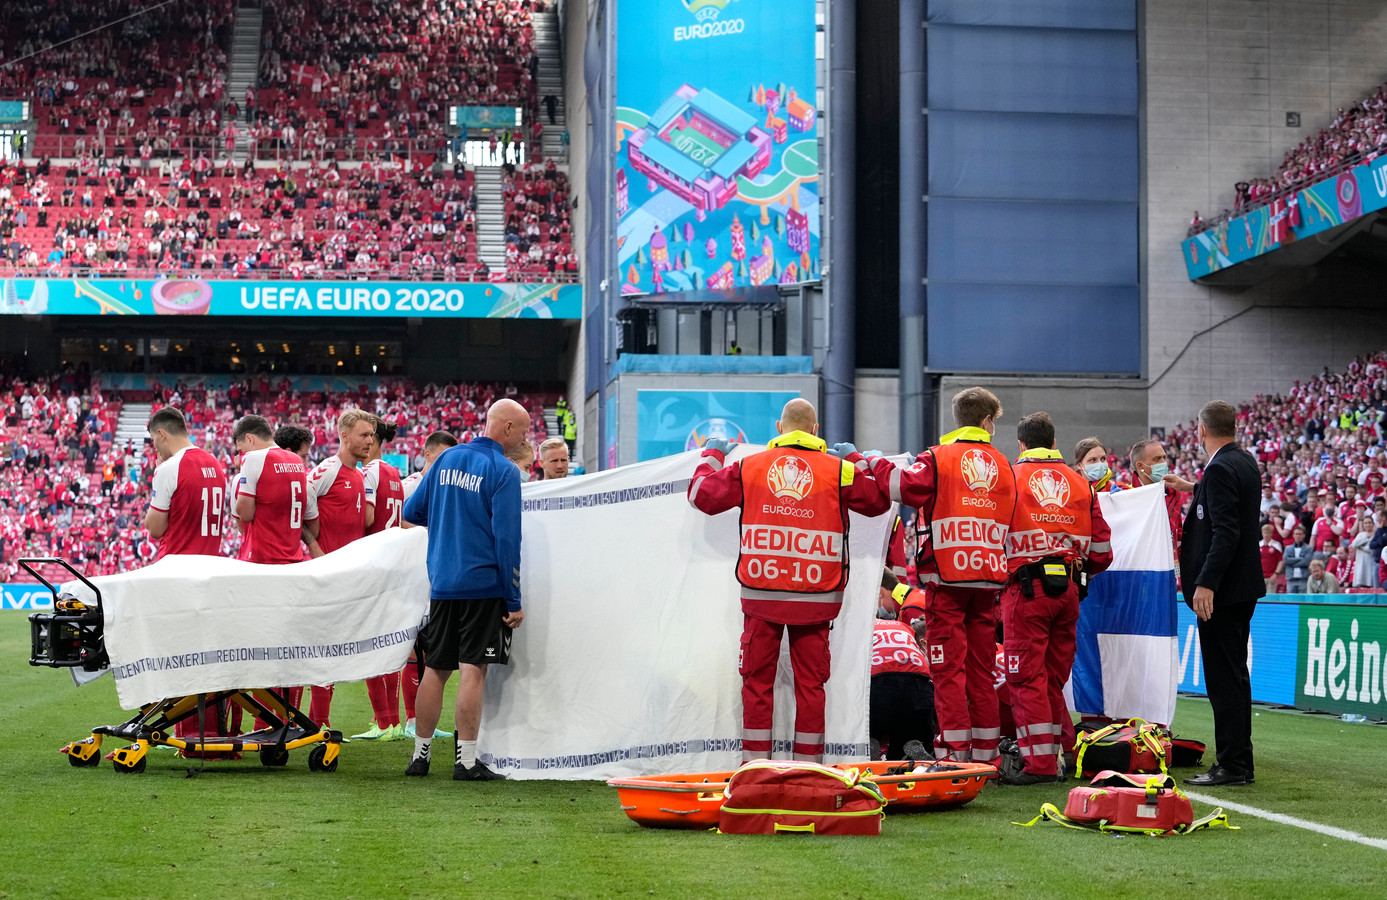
797 439
1104 482
1038 453
967 433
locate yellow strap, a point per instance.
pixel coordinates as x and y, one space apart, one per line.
805 828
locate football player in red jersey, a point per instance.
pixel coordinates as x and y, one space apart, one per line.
185 517
189 489
296 439
385 498
337 506
271 498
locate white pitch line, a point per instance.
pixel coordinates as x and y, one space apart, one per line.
1342 834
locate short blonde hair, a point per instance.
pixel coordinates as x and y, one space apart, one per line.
350 416
522 450
552 443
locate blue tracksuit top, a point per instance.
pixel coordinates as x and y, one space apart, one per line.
470 501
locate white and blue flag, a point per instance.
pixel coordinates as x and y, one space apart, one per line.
1126 662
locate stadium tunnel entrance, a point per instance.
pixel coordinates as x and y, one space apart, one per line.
534 353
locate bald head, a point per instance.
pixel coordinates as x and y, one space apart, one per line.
506 424
798 415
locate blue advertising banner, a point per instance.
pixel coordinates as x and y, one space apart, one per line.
191 296
717 160
669 422
25 596
486 116
1332 202
13 111
1271 655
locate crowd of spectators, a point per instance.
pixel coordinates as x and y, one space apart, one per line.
151 82
1320 447
1357 135
148 186
70 488
310 220
375 67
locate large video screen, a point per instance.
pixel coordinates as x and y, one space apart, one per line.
717 157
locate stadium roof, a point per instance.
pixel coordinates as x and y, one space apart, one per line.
713 106
666 157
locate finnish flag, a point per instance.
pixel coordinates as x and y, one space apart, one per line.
1126 662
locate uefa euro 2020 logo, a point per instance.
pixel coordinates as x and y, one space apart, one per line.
1050 488
979 470
706 13
705 10
789 478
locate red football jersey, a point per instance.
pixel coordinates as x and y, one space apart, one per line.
278 481
191 487
385 491
337 501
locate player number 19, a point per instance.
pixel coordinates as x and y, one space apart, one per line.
211 512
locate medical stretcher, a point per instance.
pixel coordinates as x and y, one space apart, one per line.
73 636
694 800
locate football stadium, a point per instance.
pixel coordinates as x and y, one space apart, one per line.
716 448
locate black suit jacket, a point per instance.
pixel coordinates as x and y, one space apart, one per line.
1219 547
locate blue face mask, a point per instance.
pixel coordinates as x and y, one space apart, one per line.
1159 471
1095 471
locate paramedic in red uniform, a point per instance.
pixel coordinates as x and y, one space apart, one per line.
793 563
964 491
337 507
185 517
901 704
1058 540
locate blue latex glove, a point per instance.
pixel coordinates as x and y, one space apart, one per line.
873 454
722 445
842 450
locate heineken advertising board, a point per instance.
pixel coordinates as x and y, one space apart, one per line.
1339 659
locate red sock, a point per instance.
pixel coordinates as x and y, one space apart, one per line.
320 704
380 706
409 686
392 697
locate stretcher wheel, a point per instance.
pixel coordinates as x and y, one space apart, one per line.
78 762
274 756
315 760
134 768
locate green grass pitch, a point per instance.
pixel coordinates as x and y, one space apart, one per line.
366 831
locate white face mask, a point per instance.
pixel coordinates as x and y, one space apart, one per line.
1094 472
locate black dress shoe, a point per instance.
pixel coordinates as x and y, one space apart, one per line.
1216 776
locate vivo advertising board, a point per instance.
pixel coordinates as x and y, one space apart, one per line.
192 296
25 596
717 162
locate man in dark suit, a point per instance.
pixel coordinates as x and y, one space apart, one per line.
1221 575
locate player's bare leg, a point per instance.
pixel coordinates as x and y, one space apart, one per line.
428 709
468 716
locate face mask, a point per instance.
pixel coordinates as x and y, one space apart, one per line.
1095 471
1159 471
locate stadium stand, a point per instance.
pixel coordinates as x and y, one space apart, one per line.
137 172
157 79
1319 444
59 439
1356 136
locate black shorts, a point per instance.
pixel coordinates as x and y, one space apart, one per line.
465 631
